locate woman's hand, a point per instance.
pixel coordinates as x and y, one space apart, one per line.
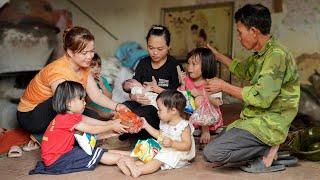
140 98
118 127
121 107
167 142
153 85
214 85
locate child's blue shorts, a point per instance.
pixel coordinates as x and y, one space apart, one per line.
74 161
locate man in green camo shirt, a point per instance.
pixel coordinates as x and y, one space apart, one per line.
270 101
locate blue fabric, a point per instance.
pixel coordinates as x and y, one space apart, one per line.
74 161
129 54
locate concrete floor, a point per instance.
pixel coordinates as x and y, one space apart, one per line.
18 168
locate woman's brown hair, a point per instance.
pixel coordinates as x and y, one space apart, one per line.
76 39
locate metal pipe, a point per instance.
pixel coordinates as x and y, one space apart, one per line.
93 19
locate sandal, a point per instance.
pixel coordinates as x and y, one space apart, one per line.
288 161
258 166
30 146
14 152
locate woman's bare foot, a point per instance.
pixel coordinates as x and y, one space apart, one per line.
135 172
123 167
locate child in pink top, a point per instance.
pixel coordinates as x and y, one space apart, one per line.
201 66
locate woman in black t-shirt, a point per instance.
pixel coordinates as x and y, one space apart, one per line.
158 72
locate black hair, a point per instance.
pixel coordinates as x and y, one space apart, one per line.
159 30
96 60
208 62
76 39
194 27
123 85
203 34
65 92
173 99
255 15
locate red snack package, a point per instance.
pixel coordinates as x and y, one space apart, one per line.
130 119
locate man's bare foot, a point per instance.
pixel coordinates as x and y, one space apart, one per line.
135 172
272 155
123 167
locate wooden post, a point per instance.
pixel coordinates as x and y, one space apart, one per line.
277 6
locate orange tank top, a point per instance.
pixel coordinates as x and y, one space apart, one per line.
39 88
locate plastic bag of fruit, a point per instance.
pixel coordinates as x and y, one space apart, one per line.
130 119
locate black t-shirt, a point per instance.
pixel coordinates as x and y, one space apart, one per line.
166 76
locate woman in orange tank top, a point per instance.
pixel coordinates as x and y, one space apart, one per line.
35 110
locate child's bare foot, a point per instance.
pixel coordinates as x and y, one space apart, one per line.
213 165
123 167
135 172
205 138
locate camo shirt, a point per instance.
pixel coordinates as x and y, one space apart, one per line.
272 99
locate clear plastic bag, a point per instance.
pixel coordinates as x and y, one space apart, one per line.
206 114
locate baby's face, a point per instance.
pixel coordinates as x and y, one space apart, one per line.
136 83
132 83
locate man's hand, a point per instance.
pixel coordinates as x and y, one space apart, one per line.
214 85
214 50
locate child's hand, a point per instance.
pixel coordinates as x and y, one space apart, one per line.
100 82
205 135
167 142
195 93
118 127
96 77
145 123
181 76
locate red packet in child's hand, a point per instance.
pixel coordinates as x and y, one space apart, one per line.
130 119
